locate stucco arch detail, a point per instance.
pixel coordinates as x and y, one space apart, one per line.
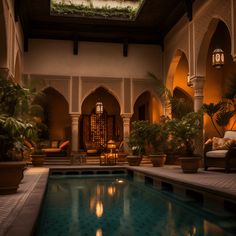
3 37
205 43
109 90
56 89
172 68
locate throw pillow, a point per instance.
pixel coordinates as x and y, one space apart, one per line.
64 144
54 144
222 143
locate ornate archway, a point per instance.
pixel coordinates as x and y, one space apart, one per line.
96 129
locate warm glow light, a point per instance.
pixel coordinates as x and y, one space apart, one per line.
99 108
98 190
99 209
218 58
120 181
111 190
111 144
99 232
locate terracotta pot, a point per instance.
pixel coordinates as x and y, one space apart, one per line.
158 160
11 173
190 164
134 160
38 159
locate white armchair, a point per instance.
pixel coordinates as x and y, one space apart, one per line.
222 157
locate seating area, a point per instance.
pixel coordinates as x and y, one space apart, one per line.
53 148
221 152
57 148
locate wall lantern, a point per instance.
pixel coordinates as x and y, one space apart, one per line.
218 58
99 108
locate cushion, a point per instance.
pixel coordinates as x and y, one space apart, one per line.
51 149
209 141
54 144
230 134
217 153
222 143
64 144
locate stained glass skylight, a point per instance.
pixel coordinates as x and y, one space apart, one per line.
112 9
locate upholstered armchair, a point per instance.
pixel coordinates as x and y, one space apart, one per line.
221 152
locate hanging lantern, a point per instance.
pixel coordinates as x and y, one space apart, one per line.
218 58
99 108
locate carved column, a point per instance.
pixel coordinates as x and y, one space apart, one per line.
198 84
75 132
126 128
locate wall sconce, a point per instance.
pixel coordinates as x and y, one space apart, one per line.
218 58
99 108
189 83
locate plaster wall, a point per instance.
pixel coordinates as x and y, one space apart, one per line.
54 57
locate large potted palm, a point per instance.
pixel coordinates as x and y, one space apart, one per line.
137 141
14 129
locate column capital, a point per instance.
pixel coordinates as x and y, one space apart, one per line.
197 81
126 115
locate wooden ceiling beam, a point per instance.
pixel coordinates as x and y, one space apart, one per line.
125 48
76 45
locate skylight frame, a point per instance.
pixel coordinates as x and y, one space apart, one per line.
68 8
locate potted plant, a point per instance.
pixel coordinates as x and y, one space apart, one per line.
14 129
137 141
184 131
156 138
38 155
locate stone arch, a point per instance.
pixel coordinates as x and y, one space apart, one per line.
3 38
205 43
56 89
215 84
141 106
173 67
56 111
98 129
110 91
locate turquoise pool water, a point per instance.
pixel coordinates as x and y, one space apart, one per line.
118 206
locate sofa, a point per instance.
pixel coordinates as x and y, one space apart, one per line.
57 148
221 152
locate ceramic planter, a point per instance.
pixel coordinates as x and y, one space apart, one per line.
11 173
190 164
38 159
134 160
158 160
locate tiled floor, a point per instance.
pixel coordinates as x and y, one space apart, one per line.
18 212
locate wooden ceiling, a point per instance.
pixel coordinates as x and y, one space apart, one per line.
153 22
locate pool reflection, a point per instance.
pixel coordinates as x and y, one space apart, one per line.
107 207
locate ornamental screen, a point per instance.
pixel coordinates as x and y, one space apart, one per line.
111 9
